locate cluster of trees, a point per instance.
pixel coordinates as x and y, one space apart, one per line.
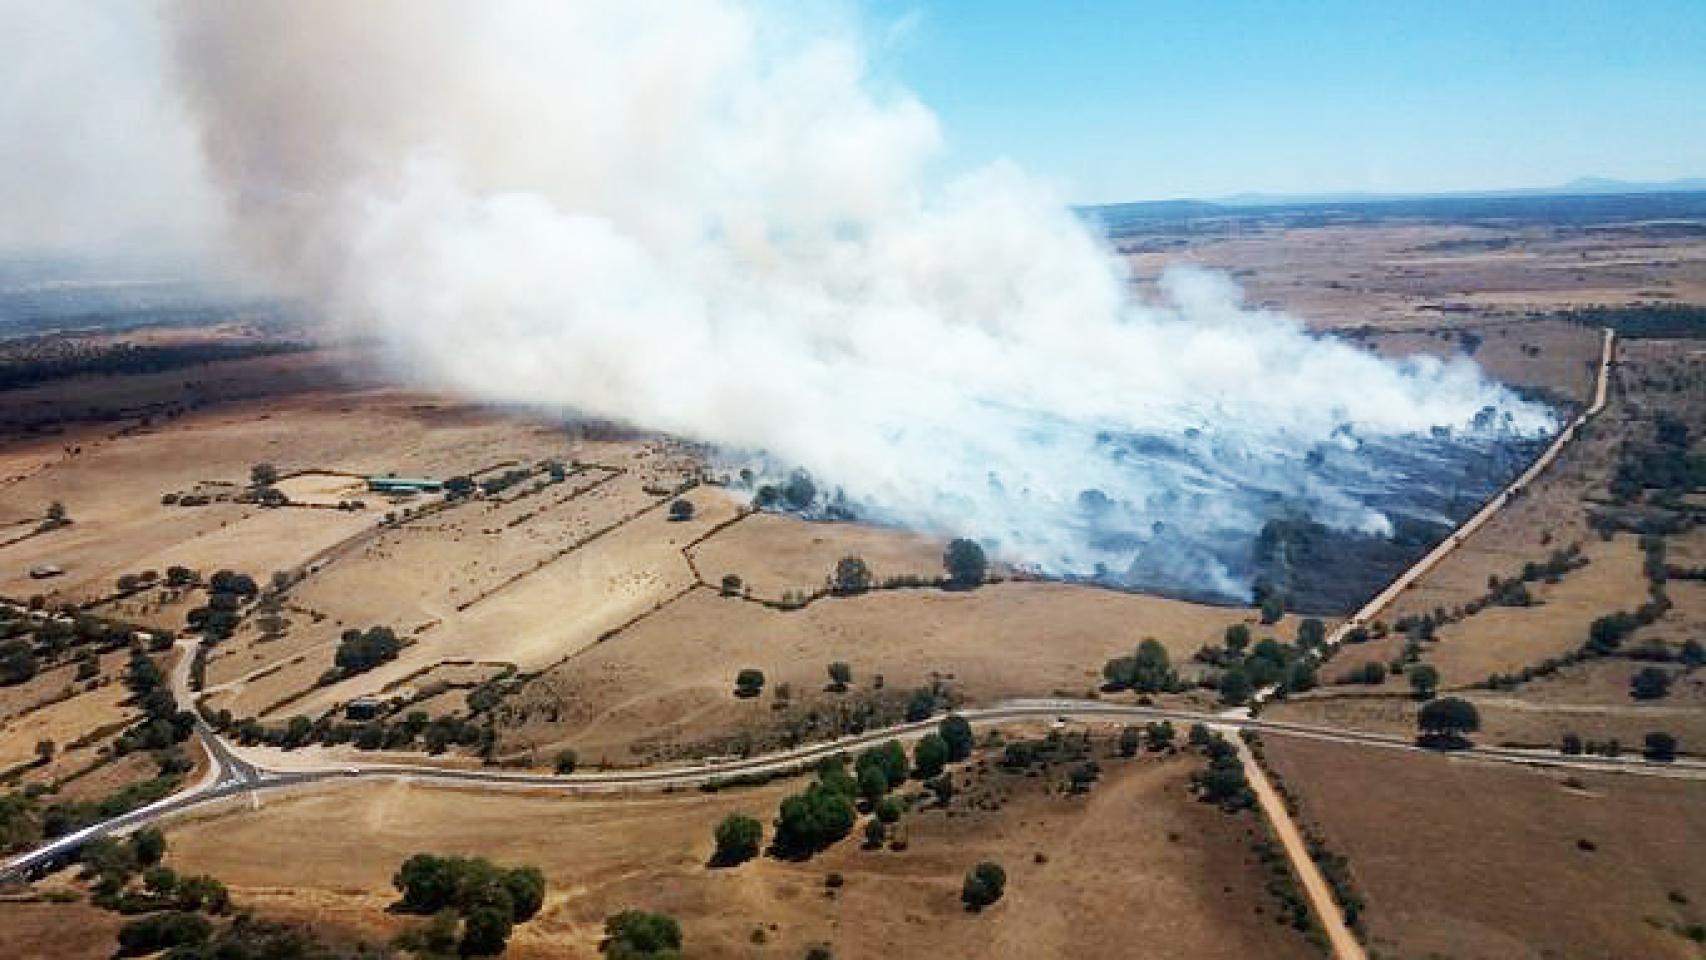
1665 464
820 815
359 652
163 724
1148 670
1244 668
1637 320
130 358
1157 736
826 810
111 865
227 591
17 661
435 734
797 494
489 900
1221 781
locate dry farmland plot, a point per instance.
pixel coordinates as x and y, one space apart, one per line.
553 611
670 677
1394 275
1502 639
112 490
1467 860
1555 355
62 722
57 931
1135 867
773 554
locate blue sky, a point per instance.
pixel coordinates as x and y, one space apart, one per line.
1142 100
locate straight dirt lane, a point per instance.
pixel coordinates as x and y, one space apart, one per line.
1332 919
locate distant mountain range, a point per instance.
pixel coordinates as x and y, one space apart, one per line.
1579 187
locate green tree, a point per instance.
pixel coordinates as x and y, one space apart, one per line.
567 760
799 492
965 563
681 510
149 845
1152 671
17 662
875 833
738 838
1237 638
852 575
930 755
812 820
889 757
485 932
637 935
1660 747
1448 718
984 885
956 732
526 888
1131 739
1649 683
1424 680
1159 735
1273 608
263 475
1235 686
1311 633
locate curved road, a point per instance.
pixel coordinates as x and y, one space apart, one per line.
235 772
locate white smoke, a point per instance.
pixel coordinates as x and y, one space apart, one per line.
708 217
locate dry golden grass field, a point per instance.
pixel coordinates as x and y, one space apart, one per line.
1135 868
1474 861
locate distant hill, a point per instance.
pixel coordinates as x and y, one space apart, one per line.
1579 187
1582 201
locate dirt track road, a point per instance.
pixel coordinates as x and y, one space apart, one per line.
1332 919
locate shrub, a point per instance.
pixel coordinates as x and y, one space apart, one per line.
852 575
749 682
635 935
681 510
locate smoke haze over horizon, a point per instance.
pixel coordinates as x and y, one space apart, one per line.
711 218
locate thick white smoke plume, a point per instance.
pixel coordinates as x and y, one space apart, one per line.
706 217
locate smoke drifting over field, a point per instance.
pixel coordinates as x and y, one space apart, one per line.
707 218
